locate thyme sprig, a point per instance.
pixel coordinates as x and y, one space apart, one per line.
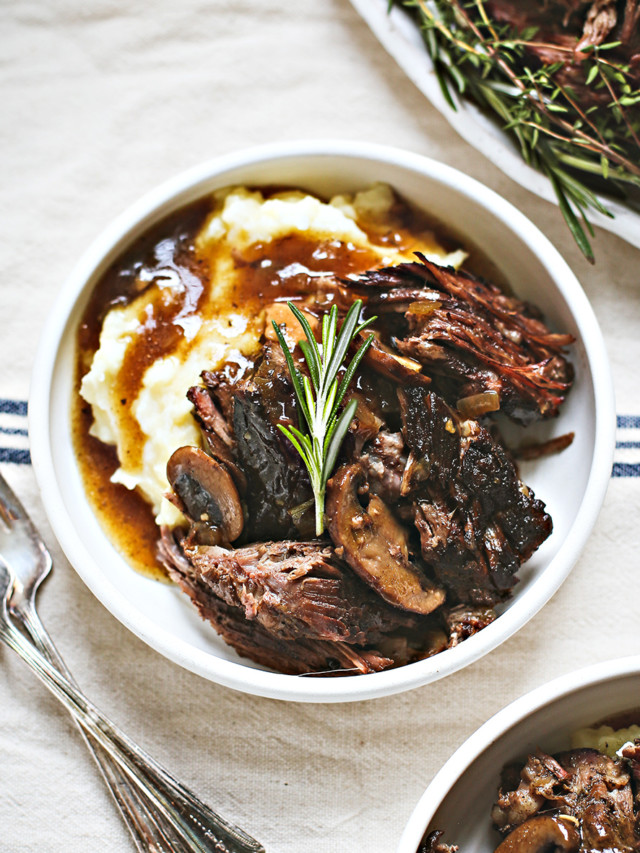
320 394
571 144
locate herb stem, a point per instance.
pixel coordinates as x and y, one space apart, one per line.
320 395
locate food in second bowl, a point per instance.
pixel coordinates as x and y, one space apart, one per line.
427 519
584 799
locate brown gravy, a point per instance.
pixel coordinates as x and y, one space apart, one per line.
124 514
274 272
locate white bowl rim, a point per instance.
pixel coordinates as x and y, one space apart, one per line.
497 726
348 688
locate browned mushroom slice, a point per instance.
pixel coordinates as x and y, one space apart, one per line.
374 544
543 834
206 491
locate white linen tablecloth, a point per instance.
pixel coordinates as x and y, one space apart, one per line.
100 102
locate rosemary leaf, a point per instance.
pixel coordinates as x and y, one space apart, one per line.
338 433
571 219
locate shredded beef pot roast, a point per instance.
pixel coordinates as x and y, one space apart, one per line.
428 520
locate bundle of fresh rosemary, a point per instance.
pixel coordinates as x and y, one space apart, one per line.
561 76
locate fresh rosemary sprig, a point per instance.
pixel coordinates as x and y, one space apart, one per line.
319 397
572 144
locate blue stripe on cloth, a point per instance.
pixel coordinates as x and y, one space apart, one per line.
15 455
626 444
18 431
13 407
628 421
623 469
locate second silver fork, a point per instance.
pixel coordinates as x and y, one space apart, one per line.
161 814
31 563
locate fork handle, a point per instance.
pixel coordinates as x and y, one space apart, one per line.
150 832
202 829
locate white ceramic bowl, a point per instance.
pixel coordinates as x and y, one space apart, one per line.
160 615
458 801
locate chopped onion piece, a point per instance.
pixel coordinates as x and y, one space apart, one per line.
478 404
409 363
424 308
544 448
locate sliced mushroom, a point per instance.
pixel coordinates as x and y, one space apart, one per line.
206 491
374 544
543 834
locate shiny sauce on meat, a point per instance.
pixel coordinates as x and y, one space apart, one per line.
288 268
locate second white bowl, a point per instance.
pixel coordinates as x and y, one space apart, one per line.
459 799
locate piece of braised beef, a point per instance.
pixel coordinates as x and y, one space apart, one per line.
602 800
631 752
477 521
238 410
472 338
289 605
464 621
217 436
278 498
524 791
296 589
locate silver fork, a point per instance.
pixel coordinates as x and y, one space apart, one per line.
160 812
30 561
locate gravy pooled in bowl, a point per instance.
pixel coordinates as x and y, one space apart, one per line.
427 519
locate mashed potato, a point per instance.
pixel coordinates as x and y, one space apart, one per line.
604 738
148 428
